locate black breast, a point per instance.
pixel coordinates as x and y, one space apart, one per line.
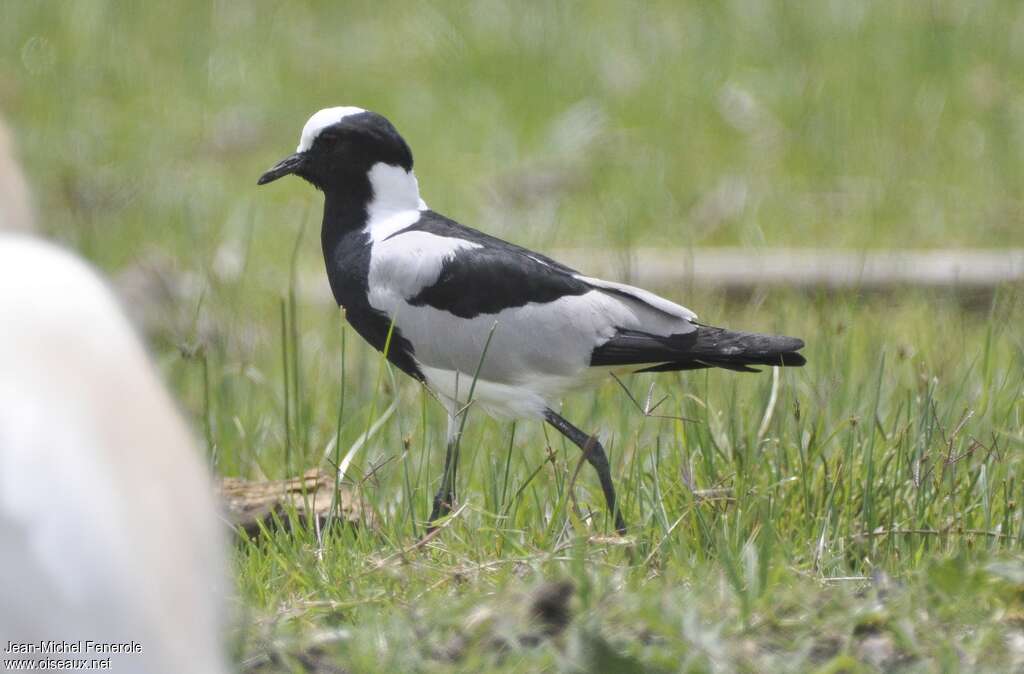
347 257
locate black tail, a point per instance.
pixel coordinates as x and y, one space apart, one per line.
705 347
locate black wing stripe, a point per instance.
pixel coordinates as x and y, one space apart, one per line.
705 347
491 278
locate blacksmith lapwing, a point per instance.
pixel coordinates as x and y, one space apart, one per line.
461 310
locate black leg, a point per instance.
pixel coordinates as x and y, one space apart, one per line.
445 496
594 453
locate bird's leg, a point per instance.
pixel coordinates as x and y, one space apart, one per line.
445 496
594 453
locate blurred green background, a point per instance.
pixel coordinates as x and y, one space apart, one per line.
842 123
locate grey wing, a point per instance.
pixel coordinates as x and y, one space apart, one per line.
546 320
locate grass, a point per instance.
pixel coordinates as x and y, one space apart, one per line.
897 453
877 505
870 520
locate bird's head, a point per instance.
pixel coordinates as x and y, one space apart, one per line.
340 146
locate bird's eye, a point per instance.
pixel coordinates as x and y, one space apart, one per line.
329 138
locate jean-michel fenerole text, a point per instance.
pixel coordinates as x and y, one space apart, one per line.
83 646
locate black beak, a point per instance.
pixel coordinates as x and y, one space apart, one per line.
284 167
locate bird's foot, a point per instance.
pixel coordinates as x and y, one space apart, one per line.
442 506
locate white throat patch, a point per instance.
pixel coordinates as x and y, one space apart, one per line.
320 121
396 201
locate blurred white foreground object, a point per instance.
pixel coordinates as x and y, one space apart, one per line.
15 208
109 531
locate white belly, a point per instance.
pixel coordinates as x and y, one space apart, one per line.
523 400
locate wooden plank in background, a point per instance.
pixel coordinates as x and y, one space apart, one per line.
747 268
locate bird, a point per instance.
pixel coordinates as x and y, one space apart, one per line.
475 318
112 543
